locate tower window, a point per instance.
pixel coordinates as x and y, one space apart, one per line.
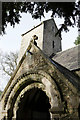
52 28
53 44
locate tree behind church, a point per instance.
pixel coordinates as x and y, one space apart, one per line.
77 41
8 63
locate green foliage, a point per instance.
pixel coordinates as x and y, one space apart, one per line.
77 41
67 10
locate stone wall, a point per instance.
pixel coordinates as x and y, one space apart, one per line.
47 41
26 38
37 71
77 72
51 43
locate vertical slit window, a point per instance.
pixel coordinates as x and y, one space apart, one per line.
53 44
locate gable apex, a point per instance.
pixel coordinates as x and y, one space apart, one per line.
47 41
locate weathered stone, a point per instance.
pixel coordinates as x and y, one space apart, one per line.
40 88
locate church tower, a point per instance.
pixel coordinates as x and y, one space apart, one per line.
47 41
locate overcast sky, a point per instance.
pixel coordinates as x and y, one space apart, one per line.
11 41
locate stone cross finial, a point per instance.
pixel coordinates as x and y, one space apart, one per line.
35 37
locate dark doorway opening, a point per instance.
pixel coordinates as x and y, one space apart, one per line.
34 105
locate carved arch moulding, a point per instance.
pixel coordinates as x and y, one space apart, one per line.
40 80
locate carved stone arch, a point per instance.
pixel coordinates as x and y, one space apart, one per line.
37 77
37 85
11 87
36 104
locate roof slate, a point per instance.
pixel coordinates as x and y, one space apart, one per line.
69 58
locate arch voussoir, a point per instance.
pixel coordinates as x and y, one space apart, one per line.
41 80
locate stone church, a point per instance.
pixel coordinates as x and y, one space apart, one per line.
46 82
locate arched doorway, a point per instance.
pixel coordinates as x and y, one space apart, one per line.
34 105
